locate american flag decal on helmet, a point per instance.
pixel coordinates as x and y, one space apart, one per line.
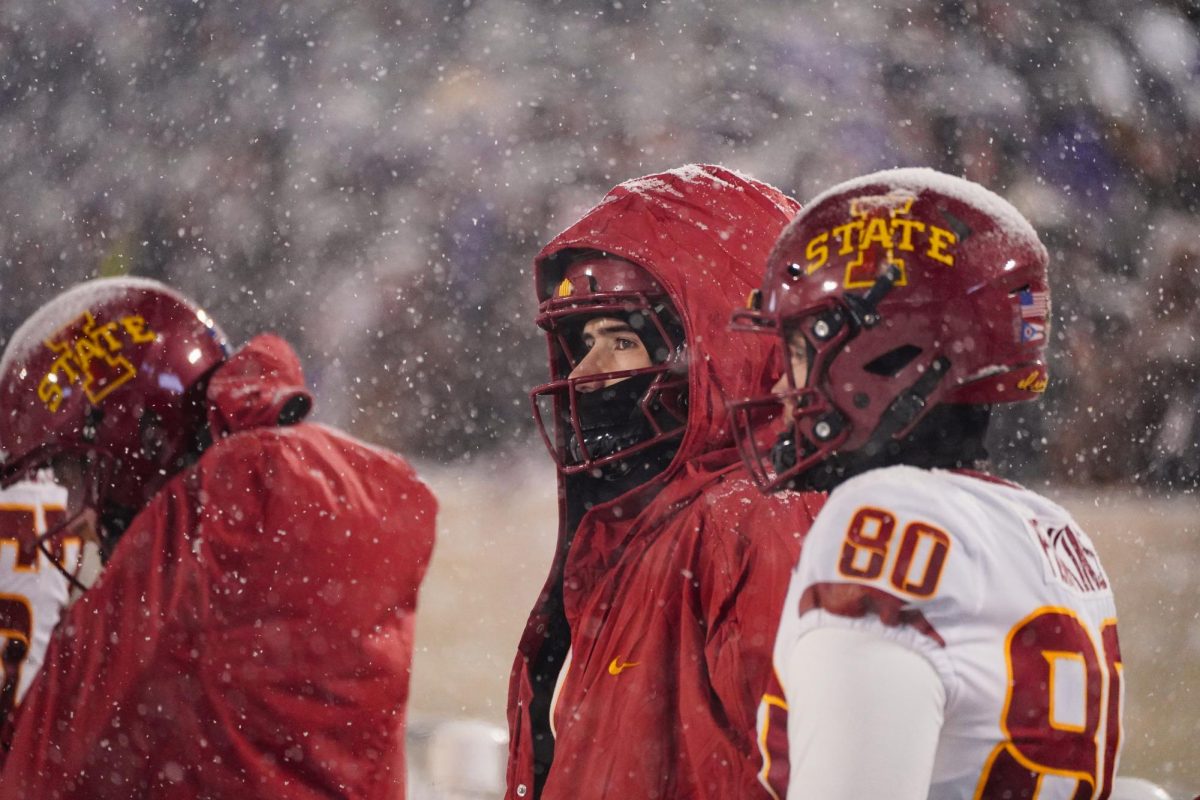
1035 307
1033 304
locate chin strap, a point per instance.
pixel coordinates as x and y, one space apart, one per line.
910 404
883 446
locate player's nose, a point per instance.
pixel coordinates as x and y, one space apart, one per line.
594 363
781 387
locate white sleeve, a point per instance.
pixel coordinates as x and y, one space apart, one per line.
864 716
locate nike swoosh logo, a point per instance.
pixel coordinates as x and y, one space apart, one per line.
617 666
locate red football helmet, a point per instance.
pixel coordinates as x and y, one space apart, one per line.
902 290
594 285
110 370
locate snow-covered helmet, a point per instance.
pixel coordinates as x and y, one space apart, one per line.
906 289
111 370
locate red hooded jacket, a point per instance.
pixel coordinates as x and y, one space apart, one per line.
251 635
673 591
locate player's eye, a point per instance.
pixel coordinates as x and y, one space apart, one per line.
627 343
797 343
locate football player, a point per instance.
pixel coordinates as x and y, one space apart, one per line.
251 632
642 666
960 627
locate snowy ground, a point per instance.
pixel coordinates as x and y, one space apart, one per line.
496 537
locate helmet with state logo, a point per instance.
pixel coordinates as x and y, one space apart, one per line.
638 408
901 291
112 371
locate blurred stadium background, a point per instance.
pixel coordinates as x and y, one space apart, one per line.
372 179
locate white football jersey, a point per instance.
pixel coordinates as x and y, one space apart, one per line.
1004 595
33 593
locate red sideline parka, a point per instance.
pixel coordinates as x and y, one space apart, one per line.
672 591
251 635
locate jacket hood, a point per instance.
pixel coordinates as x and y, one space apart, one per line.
704 233
261 385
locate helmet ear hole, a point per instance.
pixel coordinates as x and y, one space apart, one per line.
890 363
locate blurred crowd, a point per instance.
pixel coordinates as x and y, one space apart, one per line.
372 179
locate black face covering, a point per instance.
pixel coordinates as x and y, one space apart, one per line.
783 452
611 418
